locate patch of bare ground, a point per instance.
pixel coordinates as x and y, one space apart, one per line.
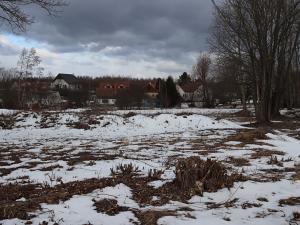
290 201
109 206
262 199
151 217
296 176
87 156
296 218
7 122
48 119
226 204
272 175
243 113
238 162
148 217
50 168
260 153
247 205
248 136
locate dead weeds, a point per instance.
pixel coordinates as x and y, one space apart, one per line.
109 207
238 162
260 153
290 201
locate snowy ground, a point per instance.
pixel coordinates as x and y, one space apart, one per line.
55 167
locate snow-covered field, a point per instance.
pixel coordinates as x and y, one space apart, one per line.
57 167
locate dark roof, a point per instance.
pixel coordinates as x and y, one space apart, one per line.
69 78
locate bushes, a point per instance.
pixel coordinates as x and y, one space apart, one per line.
194 176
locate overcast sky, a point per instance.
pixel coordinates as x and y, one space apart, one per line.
116 37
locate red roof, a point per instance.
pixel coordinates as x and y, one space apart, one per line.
151 88
108 89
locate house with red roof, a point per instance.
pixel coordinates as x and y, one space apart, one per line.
107 91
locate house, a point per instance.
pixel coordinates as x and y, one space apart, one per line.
151 94
107 91
191 93
65 81
152 90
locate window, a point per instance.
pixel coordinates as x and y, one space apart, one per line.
105 101
121 86
108 86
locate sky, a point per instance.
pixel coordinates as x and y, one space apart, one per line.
138 38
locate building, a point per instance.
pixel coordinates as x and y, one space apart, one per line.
107 91
151 95
152 90
191 93
66 81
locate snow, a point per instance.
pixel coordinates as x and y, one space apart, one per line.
207 112
244 192
285 143
7 112
152 139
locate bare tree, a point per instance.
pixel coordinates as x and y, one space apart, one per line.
28 61
262 36
13 14
200 72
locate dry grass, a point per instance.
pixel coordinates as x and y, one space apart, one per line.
194 176
290 201
274 161
249 136
125 170
247 205
238 161
296 217
151 217
296 176
260 153
109 207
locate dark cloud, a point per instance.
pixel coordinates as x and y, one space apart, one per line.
156 28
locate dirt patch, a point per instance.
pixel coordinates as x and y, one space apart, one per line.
238 161
274 161
79 125
296 176
87 156
249 136
290 201
226 204
130 114
259 153
243 113
247 205
296 217
7 122
151 217
50 168
109 207
262 199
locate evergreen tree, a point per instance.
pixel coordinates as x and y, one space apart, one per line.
172 95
